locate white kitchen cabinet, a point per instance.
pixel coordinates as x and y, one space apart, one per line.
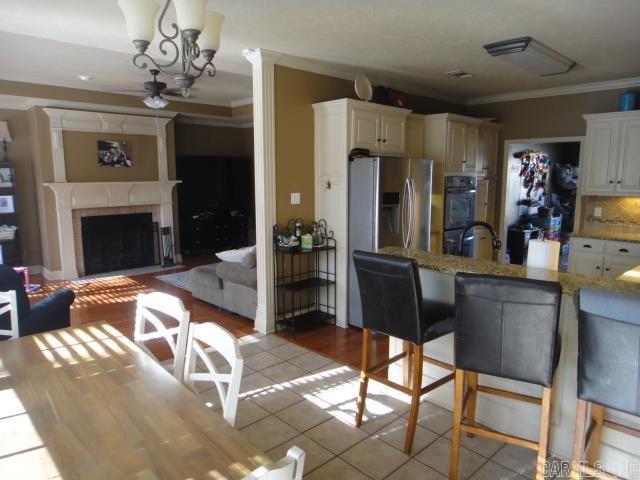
482 246
340 126
608 258
586 263
615 266
486 161
611 162
378 130
414 140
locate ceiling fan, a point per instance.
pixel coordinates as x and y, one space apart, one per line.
154 90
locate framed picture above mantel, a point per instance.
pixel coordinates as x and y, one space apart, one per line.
114 153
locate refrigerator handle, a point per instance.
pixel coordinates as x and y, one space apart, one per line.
404 212
412 212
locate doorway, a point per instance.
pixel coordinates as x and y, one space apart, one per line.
540 192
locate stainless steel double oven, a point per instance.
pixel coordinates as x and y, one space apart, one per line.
459 211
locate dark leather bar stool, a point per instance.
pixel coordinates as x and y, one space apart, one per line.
508 328
608 372
392 304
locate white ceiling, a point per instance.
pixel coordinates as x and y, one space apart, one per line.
406 43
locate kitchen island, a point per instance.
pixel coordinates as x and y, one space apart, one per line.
437 274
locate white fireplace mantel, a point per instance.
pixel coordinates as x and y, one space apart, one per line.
77 195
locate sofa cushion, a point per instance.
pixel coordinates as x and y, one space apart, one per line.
237 273
206 275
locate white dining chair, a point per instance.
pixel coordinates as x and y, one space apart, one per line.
288 468
9 305
175 336
206 337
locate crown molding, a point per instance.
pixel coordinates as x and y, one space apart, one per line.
632 82
350 73
228 122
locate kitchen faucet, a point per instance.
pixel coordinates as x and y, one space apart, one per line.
495 241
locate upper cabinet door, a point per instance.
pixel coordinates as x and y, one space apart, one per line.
487 151
365 130
470 147
393 134
628 179
601 158
454 156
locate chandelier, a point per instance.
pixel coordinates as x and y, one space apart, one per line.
196 34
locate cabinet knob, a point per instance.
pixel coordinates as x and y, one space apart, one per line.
607 269
598 268
381 139
610 181
619 181
623 250
384 141
586 245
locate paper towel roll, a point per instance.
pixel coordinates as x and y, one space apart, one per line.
543 254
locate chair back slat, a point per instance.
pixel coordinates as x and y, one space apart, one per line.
289 468
10 305
173 308
204 336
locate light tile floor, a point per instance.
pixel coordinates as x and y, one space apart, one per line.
291 396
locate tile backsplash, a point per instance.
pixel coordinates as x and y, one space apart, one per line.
619 215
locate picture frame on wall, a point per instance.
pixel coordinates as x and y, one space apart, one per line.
6 177
6 204
114 153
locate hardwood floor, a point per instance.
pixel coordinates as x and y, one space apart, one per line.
112 299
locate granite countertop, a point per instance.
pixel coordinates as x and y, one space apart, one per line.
570 282
620 237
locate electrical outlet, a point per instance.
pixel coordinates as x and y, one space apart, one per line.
597 212
295 198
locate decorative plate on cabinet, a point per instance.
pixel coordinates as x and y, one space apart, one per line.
363 88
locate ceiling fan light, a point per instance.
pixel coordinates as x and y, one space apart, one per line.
156 102
190 14
209 39
140 16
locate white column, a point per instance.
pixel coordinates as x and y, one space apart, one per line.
263 62
163 161
68 267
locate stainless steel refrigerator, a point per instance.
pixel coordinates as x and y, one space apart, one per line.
389 205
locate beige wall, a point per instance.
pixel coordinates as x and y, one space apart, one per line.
20 151
295 92
205 140
80 157
559 116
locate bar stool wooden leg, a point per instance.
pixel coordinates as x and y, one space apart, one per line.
545 423
593 447
416 387
472 385
364 378
458 401
578 439
407 365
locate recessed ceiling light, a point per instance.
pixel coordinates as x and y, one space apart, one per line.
85 78
458 74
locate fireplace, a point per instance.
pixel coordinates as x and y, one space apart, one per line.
118 242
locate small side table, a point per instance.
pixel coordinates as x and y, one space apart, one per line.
24 271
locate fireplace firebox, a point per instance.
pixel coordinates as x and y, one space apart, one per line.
118 242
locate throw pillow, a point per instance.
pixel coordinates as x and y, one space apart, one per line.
235 256
249 261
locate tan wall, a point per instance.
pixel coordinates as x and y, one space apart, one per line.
80 157
559 116
295 92
204 140
20 151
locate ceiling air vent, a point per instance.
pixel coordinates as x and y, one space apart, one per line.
458 74
531 55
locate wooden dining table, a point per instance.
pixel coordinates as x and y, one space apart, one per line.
87 403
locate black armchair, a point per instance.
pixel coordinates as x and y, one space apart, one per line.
51 313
